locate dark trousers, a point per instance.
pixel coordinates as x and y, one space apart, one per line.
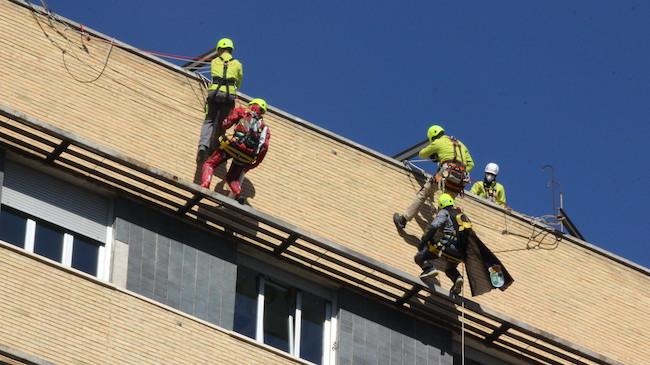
427 259
217 107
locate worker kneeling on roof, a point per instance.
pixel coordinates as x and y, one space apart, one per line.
247 146
454 166
489 188
227 74
449 241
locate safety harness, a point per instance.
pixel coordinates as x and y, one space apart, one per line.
490 190
461 224
223 80
453 173
247 141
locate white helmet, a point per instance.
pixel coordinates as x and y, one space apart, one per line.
492 168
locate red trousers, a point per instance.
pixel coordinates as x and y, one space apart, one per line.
233 176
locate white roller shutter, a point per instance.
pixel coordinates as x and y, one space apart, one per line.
55 201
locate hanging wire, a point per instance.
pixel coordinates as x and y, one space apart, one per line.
101 72
462 324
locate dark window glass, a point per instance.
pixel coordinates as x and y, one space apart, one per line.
311 331
85 253
246 302
277 306
12 227
48 242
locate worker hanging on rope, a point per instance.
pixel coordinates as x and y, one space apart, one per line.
227 74
454 166
489 188
450 240
247 145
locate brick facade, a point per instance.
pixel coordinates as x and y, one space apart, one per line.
153 113
69 318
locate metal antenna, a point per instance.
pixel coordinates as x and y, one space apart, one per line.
551 184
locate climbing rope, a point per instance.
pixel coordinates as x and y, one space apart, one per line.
462 323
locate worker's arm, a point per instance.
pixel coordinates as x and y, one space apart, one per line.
501 195
263 150
469 162
214 68
477 188
437 222
430 150
240 75
232 118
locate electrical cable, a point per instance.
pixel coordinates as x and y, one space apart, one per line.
101 72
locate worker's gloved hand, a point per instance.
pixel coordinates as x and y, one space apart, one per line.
440 248
236 114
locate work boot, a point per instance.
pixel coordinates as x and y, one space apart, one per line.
429 273
399 220
457 288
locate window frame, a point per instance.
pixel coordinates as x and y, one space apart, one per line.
103 254
295 320
266 273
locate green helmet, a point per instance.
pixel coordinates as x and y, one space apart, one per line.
445 200
435 131
225 43
260 102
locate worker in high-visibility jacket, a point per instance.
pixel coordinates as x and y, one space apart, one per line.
442 246
454 165
227 74
450 240
489 188
247 146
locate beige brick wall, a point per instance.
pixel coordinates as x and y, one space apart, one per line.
153 114
53 314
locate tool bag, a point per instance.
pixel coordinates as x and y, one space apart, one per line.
452 177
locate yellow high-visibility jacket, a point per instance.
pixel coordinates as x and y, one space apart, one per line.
234 73
494 192
443 150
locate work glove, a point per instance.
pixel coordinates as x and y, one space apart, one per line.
440 248
237 114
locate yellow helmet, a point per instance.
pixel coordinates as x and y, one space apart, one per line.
225 43
445 200
435 131
260 102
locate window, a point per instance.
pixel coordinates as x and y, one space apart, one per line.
246 302
56 218
278 310
12 227
314 313
85 255
48 240
282 316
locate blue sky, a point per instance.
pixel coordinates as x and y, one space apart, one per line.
521 83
